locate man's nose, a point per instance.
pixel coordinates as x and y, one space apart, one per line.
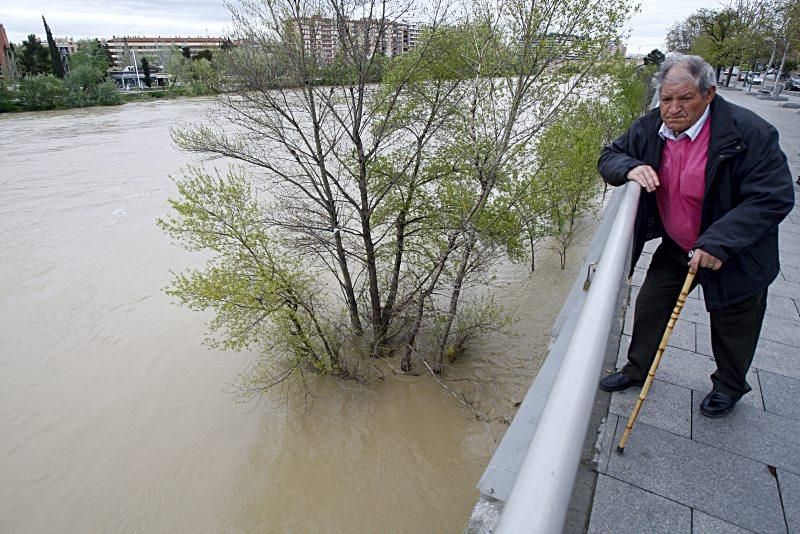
674 107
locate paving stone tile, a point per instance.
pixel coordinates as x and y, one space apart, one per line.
790 274
638 277
622 355
629 311
704 340
785 288
706 524
695 311
789 226
777 358
692 370
783 307
781 394
622 508
651 246
697 475
667 406
776 328
790 491
765 437
683 335
644 260
607 433
697 293
789 241
781 330
790 259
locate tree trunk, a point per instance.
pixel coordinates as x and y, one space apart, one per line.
772 56
776 90
728 78
454 297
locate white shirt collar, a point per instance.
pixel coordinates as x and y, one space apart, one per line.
692 132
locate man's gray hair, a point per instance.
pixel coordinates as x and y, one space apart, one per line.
698 68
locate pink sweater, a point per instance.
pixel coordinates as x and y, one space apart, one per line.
683 180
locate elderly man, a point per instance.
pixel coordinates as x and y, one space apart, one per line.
716 187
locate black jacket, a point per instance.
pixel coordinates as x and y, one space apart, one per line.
748 193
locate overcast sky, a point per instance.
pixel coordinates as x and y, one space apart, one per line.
95 18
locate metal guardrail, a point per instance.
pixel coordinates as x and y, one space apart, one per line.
536 481
541 494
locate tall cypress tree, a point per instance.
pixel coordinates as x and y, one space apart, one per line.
148 81
55 55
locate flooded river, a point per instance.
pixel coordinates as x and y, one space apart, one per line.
115 418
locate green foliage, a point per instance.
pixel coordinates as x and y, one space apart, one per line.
261 297
568 182
41 92
86 82
8 98
655 57
556 196
84 85
33 58
195 77
204 79
740 32
204 54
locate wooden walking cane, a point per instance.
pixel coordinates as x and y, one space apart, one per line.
676 311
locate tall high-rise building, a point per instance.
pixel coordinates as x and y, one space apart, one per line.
390 38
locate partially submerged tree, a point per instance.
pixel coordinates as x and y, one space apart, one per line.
381 203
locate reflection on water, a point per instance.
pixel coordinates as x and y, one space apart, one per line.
113 415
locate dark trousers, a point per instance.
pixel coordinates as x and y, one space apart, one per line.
734 329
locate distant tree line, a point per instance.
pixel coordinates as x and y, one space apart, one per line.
39 78
749 34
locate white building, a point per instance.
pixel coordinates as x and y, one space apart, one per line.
121 47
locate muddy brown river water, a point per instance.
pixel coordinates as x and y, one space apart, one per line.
115 418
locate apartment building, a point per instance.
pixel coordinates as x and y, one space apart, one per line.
124 48
390 38
572 47
4 48
66 46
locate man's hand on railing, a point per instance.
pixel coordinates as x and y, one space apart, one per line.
645 176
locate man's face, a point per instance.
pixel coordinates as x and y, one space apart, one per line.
682 103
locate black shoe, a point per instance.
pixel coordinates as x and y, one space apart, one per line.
717 404
617 382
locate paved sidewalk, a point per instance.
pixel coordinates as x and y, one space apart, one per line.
682 472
